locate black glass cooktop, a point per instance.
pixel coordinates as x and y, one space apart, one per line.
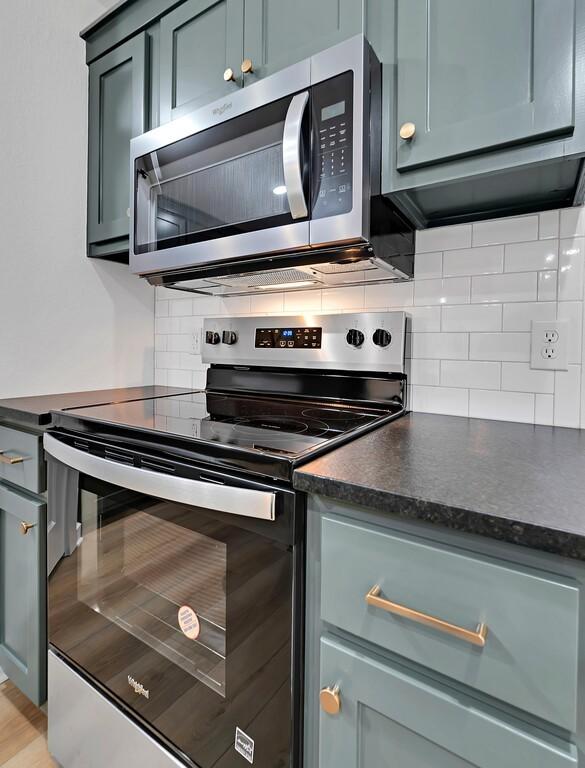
283 427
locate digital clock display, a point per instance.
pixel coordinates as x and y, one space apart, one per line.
287 334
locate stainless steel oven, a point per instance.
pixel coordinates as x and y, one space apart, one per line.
178 604
287 166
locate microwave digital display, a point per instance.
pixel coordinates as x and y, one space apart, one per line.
333 110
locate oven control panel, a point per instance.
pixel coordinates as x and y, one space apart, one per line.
289 338
350 341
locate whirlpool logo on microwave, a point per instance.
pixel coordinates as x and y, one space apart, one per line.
138 687
224 107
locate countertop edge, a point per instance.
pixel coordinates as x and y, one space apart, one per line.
529 535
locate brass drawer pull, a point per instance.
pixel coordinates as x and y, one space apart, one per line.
26 527
477 637
4 459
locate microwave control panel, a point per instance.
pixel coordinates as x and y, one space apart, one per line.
333 121
288 338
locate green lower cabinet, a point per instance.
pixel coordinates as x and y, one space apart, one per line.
23 575
117 112
393 718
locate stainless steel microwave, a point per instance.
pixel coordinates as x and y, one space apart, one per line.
276 185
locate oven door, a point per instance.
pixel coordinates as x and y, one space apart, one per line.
227 181
182 613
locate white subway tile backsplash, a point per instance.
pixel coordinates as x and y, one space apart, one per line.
424 318
301 301
386 295
547 285
519 317
548 224
479 317
350 297
473 261
499 346
526 257
471 374
571 259
427 265
573 312
447 400
443 238
544 409
469 345
502 406
267 304
450 290
519 286
511 230
573 222
520 377
440 346
425 372
567 404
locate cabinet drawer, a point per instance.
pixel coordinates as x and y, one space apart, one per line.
30 472
530 654
389 716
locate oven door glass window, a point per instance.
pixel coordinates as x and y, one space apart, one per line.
184 618
222 181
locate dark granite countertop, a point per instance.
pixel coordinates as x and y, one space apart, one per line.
513 482
36 411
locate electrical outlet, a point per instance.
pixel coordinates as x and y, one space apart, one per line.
549 345
196 341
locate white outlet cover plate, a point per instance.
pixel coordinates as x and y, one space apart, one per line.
538 343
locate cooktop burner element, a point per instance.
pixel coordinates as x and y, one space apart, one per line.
288 406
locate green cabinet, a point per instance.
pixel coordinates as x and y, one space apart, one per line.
278 33
117 112
483 106
476 76
23 573
390 716
202 39
198 42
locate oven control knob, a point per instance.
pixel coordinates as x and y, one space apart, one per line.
354 337
229 337
211 337
381 337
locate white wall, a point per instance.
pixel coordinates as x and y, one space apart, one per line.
476 289
66 322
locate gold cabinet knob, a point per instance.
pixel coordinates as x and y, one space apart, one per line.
25 527
229 75
330 700
247 66
407 130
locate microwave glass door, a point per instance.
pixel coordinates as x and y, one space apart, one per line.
248 173
183 617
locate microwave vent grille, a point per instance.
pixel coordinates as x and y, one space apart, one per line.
338 268
261 279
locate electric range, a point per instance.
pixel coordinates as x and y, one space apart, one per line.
176 611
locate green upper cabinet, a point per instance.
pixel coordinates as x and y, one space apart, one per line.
280 32
23 573
117 112
199 41
474 76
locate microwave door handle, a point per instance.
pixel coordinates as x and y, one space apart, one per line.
246 502
291 155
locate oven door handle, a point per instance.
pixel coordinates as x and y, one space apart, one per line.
246 502
291 155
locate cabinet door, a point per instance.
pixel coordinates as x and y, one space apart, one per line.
198 42
475 76
392 717
23 575
117 112
280 32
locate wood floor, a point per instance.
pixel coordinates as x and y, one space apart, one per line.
23 731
